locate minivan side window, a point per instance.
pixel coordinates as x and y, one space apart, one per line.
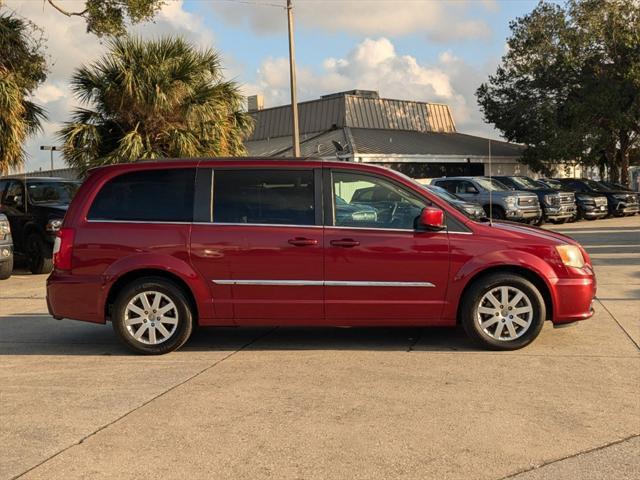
147 196
268 196
369 201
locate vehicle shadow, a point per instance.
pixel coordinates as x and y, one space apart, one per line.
39 334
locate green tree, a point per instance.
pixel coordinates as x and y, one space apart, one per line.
110 17
153 99
23 67
569 86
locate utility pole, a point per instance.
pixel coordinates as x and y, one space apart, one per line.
51 148
292 73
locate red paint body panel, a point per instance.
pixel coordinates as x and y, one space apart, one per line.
200 253
251 252
386 256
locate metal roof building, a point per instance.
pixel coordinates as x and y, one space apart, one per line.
417 138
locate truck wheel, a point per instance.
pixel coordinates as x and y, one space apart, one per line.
497 212
6 268
152 316
503 311
38 255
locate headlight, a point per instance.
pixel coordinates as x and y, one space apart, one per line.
620 196
471 210
571 255
5 229
54 225
511 201
552 199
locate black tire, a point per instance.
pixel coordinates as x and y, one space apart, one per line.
469 315
6 268
39 255
497 212
184 316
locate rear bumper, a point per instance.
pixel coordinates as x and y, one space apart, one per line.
574 299
78 297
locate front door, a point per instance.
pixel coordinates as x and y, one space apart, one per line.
262 248
378 268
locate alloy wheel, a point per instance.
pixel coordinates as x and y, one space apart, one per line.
151 317
504 313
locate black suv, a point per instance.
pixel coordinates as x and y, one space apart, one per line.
620 202
557 205
35 208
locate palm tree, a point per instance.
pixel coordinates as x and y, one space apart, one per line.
153 99
22 69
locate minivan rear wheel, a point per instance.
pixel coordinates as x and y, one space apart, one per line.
152 316
503 311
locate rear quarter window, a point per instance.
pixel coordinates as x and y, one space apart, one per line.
147 195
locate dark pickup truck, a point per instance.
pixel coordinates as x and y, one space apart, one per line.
620 202
35 207
557 206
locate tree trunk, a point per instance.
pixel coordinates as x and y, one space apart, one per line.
611 163
622 158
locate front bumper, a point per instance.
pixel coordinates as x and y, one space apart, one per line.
559 213
523 213
574 298
624 208
594 211
6 252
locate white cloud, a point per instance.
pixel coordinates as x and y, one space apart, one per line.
69 46
437 20
374 64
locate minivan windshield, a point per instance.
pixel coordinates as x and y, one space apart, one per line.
491 184
52 192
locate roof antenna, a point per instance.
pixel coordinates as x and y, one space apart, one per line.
490 189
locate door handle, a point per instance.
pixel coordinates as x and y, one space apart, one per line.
303 242
345 242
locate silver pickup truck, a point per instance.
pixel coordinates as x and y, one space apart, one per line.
504 204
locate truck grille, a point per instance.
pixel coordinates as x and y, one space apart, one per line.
567 198
528 201
600 201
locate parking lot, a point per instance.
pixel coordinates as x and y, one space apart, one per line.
329 403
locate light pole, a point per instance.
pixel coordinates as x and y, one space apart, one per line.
51 148
292 74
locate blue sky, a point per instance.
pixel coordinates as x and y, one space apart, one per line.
429 50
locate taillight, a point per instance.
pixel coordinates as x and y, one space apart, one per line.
63 248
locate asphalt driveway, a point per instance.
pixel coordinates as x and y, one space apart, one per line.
328 403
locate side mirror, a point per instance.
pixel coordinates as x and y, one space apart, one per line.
431 218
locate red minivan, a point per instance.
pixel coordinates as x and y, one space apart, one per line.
156 247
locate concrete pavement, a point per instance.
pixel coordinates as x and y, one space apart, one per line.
328 403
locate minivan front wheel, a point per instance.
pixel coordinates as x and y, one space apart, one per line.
152 316
503 311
